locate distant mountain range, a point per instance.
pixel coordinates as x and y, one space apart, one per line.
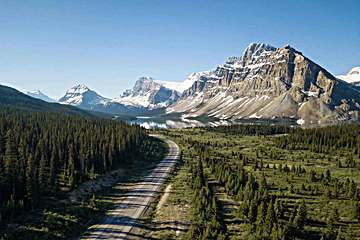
146 95
265 82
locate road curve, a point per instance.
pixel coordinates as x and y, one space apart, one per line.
121 221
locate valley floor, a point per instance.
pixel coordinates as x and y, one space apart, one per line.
302 194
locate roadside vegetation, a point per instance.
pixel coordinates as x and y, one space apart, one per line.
277 182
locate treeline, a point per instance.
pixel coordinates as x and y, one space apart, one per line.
41 154
247 129
323 140
206 223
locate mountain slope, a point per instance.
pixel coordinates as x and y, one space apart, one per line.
85 98
10 97
39 95
148 94
269 82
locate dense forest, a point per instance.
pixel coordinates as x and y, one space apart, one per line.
323 140
46 153
248 129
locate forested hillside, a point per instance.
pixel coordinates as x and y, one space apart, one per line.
42 154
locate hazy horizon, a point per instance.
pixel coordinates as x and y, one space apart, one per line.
52 46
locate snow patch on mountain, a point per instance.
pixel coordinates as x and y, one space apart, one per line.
182 86
39 95
353 76
134 100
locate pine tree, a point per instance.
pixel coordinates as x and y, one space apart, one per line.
54 159
333 217
10 162
301 215
43 173
30 191
279 209
270 218
356 210
260 219
252 211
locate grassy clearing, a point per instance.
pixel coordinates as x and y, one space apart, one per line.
170 218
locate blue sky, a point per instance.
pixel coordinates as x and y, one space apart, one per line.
53 45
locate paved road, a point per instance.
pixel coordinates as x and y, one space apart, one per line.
120 222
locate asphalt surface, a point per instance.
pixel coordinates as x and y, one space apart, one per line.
122 222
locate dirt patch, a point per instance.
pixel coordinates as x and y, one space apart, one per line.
85 190
163 198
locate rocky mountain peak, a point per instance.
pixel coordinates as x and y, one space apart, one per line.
255 50
144 85
82 95
80 88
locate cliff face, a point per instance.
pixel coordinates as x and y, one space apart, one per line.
268 82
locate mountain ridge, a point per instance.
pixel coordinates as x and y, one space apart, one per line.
269 82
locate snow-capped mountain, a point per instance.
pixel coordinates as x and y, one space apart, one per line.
180 86
85 98
148 93
81 95
352 77
269 82
39 95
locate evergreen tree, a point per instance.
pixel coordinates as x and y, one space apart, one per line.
270 219
333 217
301 215
10 163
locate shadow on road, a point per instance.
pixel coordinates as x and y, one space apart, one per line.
129 201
